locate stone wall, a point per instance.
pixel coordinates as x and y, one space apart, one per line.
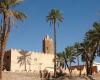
37 61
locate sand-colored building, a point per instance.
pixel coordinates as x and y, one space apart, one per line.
35 61
98 66
20 60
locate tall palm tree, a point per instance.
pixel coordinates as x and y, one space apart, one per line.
8 16
54 16
24 59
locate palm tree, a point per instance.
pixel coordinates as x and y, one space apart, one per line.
77 54
93 40
55 16
24 59
89 52
60 60
86 51
8 16
69 57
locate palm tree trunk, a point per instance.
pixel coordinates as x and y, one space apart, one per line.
87 67
70 69
55 48
92 57
1 61
78 60
91 64
67 65
3 44
79 65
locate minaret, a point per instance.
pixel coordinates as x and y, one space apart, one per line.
48 45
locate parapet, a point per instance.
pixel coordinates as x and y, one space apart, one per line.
47 38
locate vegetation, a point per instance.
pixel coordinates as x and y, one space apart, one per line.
60 60
54 16
88 49
8 16
91 47
69 58
77 53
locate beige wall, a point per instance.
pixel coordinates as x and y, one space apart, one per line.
98 66
38 61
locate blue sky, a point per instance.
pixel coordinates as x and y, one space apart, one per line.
79 16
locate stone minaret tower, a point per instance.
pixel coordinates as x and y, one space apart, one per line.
48 45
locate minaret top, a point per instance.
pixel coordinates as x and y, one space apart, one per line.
48 38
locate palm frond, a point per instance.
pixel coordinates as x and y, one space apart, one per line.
19 15
54 14
13 3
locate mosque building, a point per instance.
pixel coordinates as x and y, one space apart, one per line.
21 60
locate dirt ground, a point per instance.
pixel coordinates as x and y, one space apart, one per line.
35 76
20 76
97 76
